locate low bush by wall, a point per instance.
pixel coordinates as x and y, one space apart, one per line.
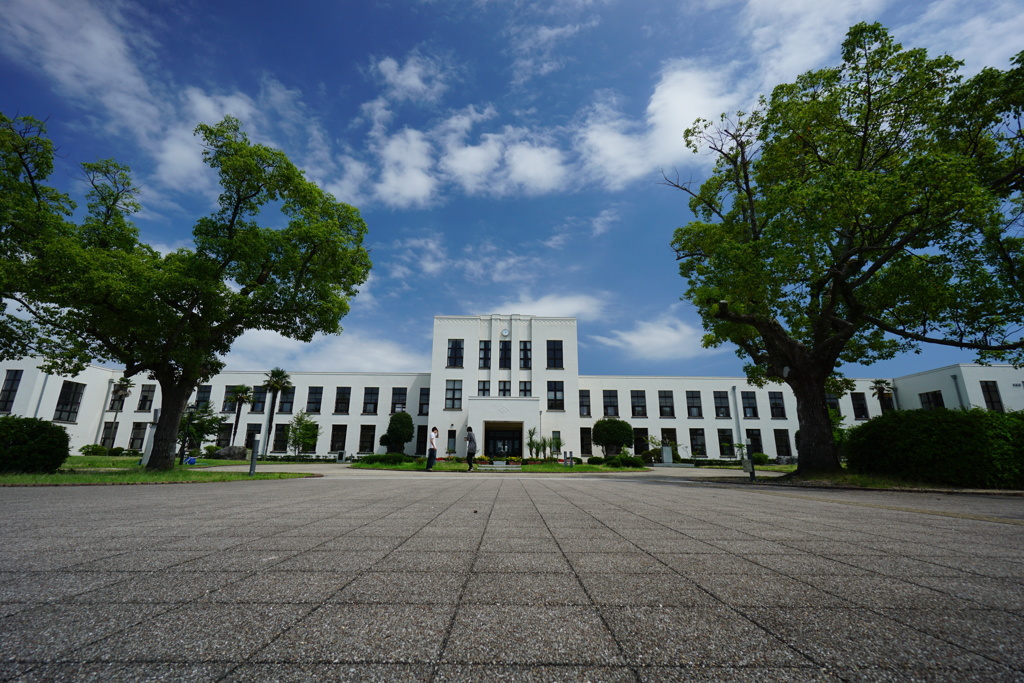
969 448
31 445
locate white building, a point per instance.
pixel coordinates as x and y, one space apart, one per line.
502 375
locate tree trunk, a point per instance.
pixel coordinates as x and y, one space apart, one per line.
238 418
270 423
816 449
174 396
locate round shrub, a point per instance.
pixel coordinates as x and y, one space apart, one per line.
595 460
93 449
969 448
31 445
759 458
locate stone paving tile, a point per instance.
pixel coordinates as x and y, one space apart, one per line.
799 566
858 638
886 592
333 560
281 542
994 634
435 544
518 544
142 560
447 673
673 674
413 588
290 587
525 589
385 633
718 564
45 633
237 560
904 566
51 560
106 672
705 636
664 589
352 543
902 675
521 562
978 566
420 561
159 587
623 563
53 586
530 634
348 672
979 591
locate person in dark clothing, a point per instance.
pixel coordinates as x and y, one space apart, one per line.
470 440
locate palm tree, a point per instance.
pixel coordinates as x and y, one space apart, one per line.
239 395
882 390
121 390
277 381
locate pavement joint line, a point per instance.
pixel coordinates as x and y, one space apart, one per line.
736 609
898 508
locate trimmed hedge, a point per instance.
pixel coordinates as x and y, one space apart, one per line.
624 461
32 446
969 448
387 459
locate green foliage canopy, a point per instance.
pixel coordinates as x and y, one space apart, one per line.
400 431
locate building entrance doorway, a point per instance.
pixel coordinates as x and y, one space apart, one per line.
503 440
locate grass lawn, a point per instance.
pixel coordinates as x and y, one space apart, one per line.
90 469
443 466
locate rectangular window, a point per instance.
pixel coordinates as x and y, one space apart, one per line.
504 355
138 437
611 403
68 402
455 347
483 388
424 401
584 402
314 399
525 355
860 406
109 434
749 401
398 398
259 400
776 405
228 406
555 354
339 434
526 389
668 436
586 444
280 438
693 406
371 395
451 440
421 439
722 404
993 401
342 399
666 404
203 395
504 388
485 354
698 446
932 400
224 435
116 400
453 394
556 395
782 446
639 440
146 396
287 402
366 440
725 447
832 401
753 441
638 402
252 432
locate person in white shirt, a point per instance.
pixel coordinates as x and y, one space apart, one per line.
432 450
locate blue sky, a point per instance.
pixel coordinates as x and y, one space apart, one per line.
506 155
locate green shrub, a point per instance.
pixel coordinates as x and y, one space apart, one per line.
93 449
595 460
624 461
969 448
211 450
31 445
760 458
116 452
651 456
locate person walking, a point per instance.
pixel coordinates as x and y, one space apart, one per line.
432 450
470 440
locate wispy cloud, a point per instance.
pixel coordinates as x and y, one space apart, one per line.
664 338
347 352
582 306
420 78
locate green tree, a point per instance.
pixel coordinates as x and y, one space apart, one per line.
303 433
612 434
825 233
240 395
93 291
199 424
881 389
400 431
277 381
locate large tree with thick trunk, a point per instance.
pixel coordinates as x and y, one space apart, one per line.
91 290
857 212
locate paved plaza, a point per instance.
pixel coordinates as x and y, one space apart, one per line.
370 576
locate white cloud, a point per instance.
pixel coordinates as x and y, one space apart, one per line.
666 338
348 352
420 79
406 179
535 48
425 254
536 169
582 306
980 33
604 222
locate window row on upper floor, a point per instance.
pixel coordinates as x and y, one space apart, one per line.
456 354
